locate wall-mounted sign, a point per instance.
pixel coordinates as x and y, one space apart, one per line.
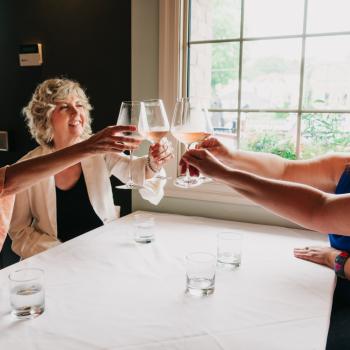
30 55
4 144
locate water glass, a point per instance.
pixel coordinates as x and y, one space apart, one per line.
200 273
143 228
229 249
27 295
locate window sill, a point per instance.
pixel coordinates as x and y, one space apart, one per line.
211 192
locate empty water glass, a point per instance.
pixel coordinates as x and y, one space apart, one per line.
229 249
200 273
27 295
143 228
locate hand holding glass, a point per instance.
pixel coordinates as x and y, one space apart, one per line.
131 113
156 125
190 124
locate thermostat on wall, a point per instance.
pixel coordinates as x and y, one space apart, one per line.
30 55
4 144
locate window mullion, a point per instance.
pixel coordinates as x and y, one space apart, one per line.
239 95
301 86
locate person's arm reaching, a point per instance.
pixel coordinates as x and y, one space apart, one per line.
302 204
24 174
328 168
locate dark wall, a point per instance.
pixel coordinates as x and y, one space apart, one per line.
85 40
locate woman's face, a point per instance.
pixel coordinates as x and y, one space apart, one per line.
68 120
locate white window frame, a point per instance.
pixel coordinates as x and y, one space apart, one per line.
172 82
172 85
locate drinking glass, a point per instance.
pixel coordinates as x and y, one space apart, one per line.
229 249
200 273
190 124
27 296
156 125
131 113
143 228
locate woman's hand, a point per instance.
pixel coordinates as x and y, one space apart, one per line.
159 154
200 160
319 255
110 139
216 148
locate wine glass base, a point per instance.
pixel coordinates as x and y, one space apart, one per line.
205 179
187 182
160 177
128 187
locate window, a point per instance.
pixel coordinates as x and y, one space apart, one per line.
275 74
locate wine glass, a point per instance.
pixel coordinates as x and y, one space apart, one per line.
190 124
131 113
156 125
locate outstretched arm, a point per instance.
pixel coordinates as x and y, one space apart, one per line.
327 168
302 204
24 174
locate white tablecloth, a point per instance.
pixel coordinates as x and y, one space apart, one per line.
103 291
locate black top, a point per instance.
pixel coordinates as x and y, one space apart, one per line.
75 214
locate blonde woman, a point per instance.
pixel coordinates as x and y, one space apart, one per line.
79 198
20 176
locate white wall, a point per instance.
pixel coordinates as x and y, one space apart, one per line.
145 32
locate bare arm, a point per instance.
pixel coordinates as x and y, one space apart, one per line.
327 168
24 174
302 204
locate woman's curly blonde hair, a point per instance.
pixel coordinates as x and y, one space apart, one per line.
39 109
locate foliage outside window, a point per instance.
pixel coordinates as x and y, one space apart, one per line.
276 74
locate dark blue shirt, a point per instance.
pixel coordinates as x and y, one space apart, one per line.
337 241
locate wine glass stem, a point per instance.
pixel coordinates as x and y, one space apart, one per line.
187 174
130 181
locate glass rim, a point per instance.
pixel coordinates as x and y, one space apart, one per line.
13 279
153 100
135 102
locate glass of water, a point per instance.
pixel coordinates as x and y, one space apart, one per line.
200 273
27 295
143 228
229 249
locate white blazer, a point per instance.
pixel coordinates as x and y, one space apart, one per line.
33 227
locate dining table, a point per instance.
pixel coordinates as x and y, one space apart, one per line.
105 291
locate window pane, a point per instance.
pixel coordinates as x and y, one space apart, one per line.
269 132
321 133
213 73
273 17
327 73
225 127
270 75
215 19
326 16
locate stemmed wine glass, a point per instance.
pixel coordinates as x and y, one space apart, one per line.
190 124
131 113
156 125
